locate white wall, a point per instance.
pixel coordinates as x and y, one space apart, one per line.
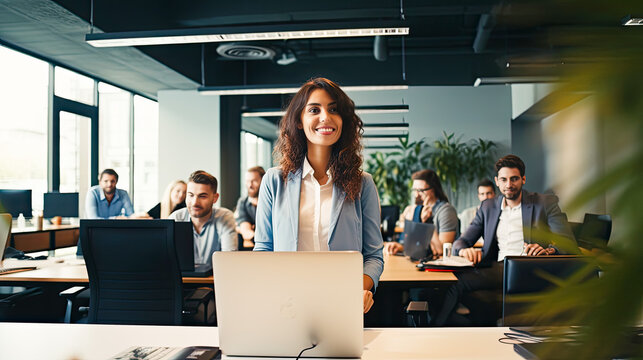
188 135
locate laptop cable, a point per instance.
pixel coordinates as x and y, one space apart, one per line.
314 345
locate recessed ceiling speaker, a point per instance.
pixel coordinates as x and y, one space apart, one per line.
380 48
241 51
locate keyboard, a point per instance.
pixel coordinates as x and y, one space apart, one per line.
146 353
8 270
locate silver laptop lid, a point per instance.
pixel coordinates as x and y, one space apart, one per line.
279 303
5 233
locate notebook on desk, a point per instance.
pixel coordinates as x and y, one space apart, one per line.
417 239
5 233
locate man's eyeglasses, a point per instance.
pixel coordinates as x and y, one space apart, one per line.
420 190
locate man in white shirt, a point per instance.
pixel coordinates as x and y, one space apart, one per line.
214 228
506 225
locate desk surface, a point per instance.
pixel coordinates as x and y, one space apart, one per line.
46 228
82 341
397 269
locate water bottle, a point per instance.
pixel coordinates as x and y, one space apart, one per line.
21 221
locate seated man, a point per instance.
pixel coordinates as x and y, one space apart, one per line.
486 190
105 201
247 206
214 228
506 224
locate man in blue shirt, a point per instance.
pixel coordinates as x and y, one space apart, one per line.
105 201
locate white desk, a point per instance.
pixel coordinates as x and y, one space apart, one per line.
84 342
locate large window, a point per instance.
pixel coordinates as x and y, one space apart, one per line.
255 151
146 134
73 86
86 114
114 132
23 123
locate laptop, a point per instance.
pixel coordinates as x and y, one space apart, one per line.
5 234
184 244
280 303
417 239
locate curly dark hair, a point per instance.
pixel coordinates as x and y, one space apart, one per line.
346 154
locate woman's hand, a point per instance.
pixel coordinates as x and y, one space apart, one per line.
368 300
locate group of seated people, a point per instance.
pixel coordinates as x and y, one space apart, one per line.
215 228
319 199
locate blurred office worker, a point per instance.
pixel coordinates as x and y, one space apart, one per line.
485 190
173 199
435 208
506 225
319 199
105 201
214 228
246 210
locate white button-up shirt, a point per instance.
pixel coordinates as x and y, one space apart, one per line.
511 240
315 202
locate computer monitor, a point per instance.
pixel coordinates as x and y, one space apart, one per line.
60 204
15 202
184 243
279 303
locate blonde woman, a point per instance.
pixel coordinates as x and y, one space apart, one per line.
172 200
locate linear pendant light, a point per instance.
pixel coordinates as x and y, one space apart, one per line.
247 33
368 109
284 89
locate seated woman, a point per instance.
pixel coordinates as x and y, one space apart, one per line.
319 199
173 199
434 208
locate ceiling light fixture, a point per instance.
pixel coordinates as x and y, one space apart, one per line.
284 89
386 127
246 33
369 109
514 80
630 21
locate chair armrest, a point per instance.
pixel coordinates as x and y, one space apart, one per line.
72 292
10 301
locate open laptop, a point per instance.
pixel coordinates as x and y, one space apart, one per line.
417 239
280 303
184 244
5 234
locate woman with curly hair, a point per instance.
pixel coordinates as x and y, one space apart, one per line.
319 199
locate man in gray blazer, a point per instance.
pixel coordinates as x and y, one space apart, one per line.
510 225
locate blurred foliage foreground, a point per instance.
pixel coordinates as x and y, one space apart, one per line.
612 73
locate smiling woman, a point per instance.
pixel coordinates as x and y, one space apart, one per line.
318 199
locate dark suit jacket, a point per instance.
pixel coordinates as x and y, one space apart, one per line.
539 211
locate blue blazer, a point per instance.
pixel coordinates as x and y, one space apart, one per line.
354 225
540 212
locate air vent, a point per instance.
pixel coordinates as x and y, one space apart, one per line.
245 52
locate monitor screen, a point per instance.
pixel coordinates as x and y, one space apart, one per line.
60 204
15 202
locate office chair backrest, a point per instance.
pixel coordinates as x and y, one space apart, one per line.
134 276
595 231
522 275
390 215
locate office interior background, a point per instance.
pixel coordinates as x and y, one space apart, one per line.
155 125
478 69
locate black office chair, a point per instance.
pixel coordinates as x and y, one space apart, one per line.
134 275
523 275
389 216
595 231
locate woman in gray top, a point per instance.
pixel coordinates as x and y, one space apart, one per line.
435 208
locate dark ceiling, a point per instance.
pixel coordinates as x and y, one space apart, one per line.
438 51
